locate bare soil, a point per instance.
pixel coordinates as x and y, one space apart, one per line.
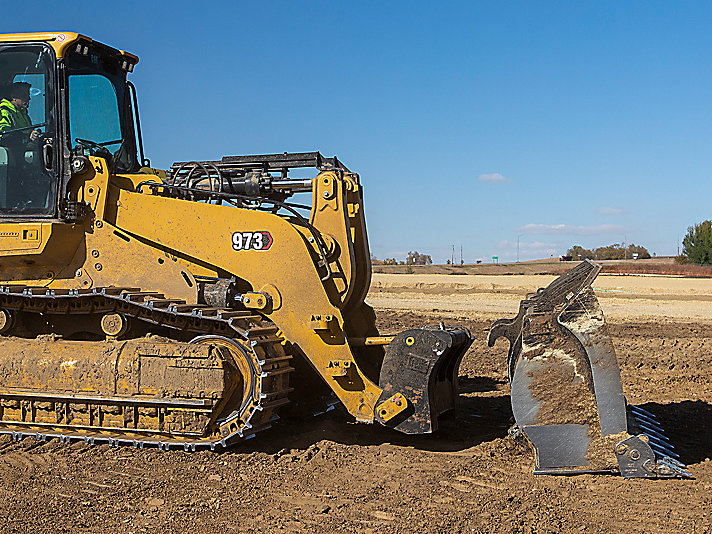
327 474
660 266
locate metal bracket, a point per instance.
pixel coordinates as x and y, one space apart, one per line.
637 459
254 300
323 322
337 368
391 407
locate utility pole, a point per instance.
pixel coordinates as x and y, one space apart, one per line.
461 262
452 258
520 235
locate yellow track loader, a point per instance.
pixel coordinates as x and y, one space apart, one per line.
181 308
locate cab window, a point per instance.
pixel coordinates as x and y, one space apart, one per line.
94 114
100 113
26 187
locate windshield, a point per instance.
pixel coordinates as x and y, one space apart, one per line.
27 187
100 114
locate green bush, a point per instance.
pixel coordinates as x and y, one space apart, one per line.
697 244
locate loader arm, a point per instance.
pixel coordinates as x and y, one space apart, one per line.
313 276
304 307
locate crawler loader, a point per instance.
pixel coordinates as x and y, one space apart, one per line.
182 308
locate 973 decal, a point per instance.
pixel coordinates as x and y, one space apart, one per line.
252 240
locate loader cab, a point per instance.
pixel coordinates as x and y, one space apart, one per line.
81 105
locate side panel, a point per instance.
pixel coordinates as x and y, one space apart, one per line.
89 254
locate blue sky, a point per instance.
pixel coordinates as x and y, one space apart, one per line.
473 124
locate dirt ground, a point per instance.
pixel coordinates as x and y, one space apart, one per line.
328 475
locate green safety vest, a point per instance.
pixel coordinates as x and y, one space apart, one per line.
11 117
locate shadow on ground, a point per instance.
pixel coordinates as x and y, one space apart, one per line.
688 424
479 418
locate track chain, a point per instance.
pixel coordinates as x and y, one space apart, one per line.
257 337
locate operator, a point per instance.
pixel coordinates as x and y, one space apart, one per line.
13 111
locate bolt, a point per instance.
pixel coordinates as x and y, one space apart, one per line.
326 194
97 266
247 299
78 273
95 253
99 224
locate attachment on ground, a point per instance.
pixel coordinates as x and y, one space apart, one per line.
567 395
419 377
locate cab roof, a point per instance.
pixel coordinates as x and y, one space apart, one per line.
60 41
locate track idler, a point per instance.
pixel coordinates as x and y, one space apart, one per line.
567 395
419 377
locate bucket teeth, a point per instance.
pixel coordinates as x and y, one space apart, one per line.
645 413
653 432
640 418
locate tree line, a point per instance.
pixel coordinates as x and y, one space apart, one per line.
413 258
615 251
696 248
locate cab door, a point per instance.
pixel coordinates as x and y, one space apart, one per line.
28 171
35 244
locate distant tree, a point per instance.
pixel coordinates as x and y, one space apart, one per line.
697 244
619 252
641 251
577 252
611 252
390 261
416 258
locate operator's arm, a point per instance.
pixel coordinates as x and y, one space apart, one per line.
5 121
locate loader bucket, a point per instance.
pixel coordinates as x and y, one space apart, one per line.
567 396
419 377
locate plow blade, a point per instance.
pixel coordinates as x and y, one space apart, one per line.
567 396
419 377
